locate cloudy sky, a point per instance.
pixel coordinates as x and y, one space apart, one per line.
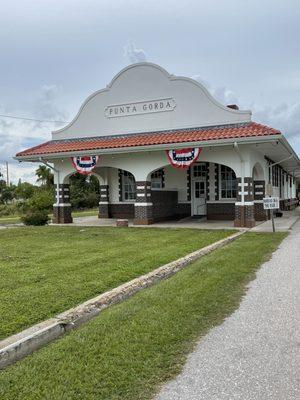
54 53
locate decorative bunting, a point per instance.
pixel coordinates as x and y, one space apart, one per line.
84 164
183 158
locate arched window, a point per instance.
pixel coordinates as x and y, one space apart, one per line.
157 179
228 183
128 186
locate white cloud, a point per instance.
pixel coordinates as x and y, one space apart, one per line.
222 94
134 55
16 135
285 117
23 171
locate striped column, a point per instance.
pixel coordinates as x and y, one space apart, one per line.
62 208
259 193
143 207
104 202
244 206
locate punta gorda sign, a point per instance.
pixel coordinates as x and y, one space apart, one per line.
140 107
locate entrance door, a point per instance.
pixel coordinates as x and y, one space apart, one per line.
199 196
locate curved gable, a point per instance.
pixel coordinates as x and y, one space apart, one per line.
144 97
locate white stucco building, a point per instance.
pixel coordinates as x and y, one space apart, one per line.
143 113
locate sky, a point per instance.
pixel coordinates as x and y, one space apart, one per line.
55 53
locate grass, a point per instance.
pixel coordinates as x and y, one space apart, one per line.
16 219
46 270
130 349
9 220
85 213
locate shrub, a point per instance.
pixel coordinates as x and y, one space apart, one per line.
35 217
8 209
42 199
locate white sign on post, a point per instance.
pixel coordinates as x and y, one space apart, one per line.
271 203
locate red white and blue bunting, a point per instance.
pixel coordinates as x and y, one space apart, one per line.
84 164
183 158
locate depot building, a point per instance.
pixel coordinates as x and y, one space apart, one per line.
163 148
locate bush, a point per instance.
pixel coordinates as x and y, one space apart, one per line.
8 209
35 217
41 200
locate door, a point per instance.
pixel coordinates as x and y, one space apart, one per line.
199 196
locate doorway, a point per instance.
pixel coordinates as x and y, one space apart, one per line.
199 189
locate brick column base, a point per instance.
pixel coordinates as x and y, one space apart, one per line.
104 202
143 214
244 216
62 215
259 213
143 207
103 210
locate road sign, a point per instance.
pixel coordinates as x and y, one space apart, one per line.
271 203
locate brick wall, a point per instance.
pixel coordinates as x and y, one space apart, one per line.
121 210
165 204
259 213
220 211
183 210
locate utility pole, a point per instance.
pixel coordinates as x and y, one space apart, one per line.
7 175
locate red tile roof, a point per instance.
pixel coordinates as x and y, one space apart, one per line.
251 129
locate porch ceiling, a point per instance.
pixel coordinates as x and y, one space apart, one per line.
280 151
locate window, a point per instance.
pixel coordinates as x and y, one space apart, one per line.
128 186
199 189
228 183
157 179
199 170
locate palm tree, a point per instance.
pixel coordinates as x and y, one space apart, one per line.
45 176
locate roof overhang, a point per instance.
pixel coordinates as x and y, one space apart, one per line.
156 147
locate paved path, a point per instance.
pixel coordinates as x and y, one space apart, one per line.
185 223
282 224
255 353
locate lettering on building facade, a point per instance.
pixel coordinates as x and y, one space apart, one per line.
140 107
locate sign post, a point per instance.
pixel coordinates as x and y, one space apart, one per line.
271 203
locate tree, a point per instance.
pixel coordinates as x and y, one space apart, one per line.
84 191
41 200
24 190
7 194
45 176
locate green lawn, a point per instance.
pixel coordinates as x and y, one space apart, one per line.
9 220
16 219
130 349
85 213
46 270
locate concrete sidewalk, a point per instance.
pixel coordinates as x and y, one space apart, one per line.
255 353
185 223
282 224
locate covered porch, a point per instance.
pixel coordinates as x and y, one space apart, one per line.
226 183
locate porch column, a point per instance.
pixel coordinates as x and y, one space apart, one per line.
259 193
143 207
62 208
244 206
104 202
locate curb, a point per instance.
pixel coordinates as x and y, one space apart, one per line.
20 345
